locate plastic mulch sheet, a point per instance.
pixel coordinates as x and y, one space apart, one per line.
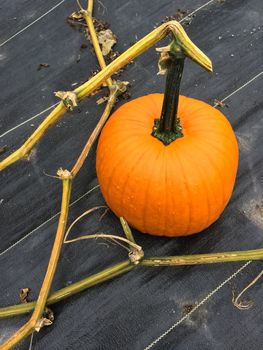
132 311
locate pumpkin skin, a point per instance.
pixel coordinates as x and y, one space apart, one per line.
174 190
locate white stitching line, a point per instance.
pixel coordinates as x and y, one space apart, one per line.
28 120
29 234
212 292
196 10
3 252
24 122
30 24
241 87
48 108
177 323
202 302
45 222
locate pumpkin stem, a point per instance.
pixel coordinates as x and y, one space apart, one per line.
168 127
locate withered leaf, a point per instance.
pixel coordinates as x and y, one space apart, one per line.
107 40
164 59
43 322
49 314
76 16
23 295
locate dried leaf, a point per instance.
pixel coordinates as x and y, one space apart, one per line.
164 59
49 314
76 16
113 55
42 65
69 98
23 295
100 25
43 322
47 319
107 39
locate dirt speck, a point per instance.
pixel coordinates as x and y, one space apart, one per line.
42 65
180 15
187 308
3 149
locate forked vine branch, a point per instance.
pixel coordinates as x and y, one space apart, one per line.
69 100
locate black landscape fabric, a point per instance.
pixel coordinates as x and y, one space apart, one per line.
132 311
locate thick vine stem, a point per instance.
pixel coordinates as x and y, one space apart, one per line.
200 259
126 266
102 276
69 101
35 319
25 149
187 46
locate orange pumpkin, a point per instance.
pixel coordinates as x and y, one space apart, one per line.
169 188
173 190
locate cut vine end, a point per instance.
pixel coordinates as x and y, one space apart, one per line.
188 47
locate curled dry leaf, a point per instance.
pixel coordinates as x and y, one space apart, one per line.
164 59
43 322
47 319
69 98
107 40
23 295
49 314
76 16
